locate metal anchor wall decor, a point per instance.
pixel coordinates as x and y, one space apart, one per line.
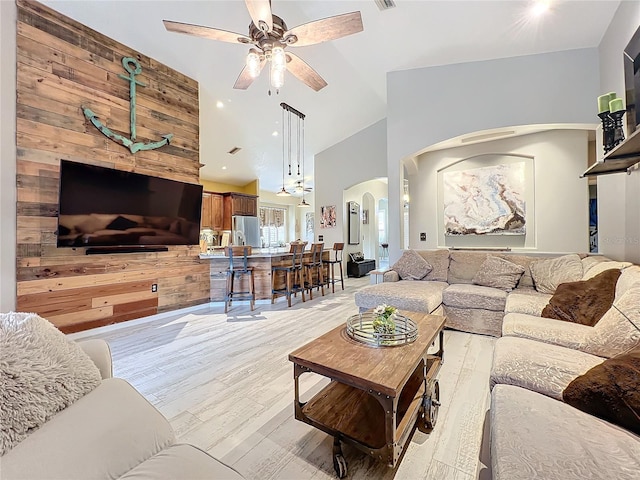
132 66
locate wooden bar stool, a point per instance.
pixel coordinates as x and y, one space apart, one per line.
293 275
238 266
337 259
314 270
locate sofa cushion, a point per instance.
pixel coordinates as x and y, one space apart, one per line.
548 330
629 277
411 266
533 436
474 296
182 461
474 320
526 301
463 266
413 296
41 373
619 328
591 260
585 301
103 435
600 267
549 273
536 366
610 390
439 260
498 273
525 261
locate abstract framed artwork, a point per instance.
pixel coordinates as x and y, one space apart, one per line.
328 216
485 201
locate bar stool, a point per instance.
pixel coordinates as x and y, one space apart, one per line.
385 250
293 275
337 259
239 267
316 267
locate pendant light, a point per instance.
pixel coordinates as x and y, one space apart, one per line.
303 203
283 192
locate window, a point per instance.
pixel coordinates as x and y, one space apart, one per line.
273 228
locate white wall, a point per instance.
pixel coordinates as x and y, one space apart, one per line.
429 105
618 194
359 158
295 217
7 156
559 202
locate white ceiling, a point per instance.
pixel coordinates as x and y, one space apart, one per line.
414 34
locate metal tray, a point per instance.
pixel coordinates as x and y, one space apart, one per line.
360 328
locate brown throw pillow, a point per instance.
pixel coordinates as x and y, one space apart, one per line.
411 266
610 390
498 273
585 301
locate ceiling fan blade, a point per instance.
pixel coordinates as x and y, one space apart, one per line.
206 32
303 72
324 30
260 11
245 80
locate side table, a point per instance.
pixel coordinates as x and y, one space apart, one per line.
377 275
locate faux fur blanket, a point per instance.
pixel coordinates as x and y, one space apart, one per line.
41 373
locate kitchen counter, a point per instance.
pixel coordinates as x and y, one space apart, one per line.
261 259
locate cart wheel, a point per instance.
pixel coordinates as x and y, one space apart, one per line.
339 463
432 403
340 466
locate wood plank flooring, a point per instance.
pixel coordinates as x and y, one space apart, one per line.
226 385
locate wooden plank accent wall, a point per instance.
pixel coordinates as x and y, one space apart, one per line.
63 65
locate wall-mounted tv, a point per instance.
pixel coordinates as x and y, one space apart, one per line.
631 58
104 207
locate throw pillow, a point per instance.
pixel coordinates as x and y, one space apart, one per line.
548 274
610 390
41 373
585 301
121 223
602 266
411 266
357 257
498 273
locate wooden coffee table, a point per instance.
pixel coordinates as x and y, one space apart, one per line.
376 394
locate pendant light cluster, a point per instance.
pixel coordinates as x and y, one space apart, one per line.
289 144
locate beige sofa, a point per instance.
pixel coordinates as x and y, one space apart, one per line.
111 432
449 289
534 363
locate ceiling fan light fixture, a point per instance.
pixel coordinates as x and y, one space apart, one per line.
253 63
277 76
278 59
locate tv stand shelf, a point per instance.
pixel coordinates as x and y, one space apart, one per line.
618 160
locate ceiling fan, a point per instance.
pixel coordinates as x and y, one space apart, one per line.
299 187
269 36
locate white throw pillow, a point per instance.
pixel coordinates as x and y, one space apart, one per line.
549 273
41 373
498 273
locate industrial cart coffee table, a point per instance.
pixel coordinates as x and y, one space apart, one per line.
376 394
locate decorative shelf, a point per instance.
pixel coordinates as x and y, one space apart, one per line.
619 159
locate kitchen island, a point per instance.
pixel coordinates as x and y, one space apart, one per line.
262 259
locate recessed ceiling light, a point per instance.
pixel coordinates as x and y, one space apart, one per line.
275 133
219 104
540 7
224 167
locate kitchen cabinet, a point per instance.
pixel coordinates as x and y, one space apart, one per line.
238 204
212 211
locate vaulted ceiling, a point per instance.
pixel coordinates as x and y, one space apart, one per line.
413 34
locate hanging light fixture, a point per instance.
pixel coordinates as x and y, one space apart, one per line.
278 65
253 63
283 192
288 141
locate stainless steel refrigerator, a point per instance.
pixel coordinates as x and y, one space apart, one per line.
245 231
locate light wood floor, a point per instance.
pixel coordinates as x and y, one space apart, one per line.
225 383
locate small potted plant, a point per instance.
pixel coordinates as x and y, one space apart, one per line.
384 319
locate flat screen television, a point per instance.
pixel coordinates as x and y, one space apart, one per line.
103 207
632 81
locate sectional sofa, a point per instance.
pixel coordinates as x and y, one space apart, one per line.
565 396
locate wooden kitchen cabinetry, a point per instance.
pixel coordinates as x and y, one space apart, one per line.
212 211
238 204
